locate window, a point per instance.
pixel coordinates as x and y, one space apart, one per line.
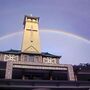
31 58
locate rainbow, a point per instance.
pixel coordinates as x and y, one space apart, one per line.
48 31
10 35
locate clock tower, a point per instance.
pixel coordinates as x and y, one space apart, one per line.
31 42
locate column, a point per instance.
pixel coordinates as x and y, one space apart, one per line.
71 76
8 73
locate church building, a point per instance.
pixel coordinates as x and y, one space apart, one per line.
32 69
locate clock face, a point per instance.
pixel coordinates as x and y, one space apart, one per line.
10 57
49 60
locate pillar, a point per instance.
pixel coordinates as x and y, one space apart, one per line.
71 76
8 73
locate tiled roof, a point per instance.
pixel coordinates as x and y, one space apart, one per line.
45 54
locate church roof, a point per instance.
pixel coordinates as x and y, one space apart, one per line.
45 54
